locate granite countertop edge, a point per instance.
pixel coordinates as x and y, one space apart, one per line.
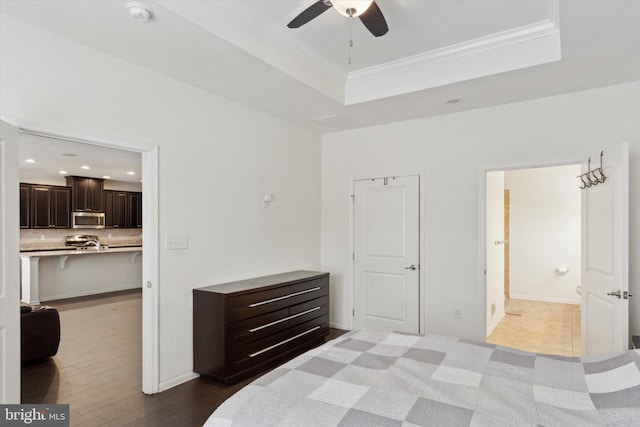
65 251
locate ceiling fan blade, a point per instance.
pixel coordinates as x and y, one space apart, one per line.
373 19
309 13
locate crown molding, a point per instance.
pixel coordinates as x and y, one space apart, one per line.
470 47
492 54
243 28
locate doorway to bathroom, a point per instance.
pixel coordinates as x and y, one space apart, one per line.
533 259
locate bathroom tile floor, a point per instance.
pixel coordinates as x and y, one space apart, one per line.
541 327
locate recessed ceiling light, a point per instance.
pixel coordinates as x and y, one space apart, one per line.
30 161
455 101
139 11
106 177
131 173
63 172
69 155
85 167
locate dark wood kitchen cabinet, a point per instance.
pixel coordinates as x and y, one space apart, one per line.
122 209
246 327
50 206
25 206
135 210
88 193
116 209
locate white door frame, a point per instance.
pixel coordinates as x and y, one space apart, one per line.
482 219
150 191
423 264
9 268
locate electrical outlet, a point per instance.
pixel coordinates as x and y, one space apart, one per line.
43 237
457 313
109 236
176 242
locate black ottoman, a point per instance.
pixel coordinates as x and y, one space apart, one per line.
40 332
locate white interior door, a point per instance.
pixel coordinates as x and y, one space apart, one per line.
387 254
605 260
9 266
494 240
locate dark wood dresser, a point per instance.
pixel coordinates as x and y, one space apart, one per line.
246 327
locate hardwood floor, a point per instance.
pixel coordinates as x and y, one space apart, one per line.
98 370
541 327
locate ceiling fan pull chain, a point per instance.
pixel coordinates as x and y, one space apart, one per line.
350 36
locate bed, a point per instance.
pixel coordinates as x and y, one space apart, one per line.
380 379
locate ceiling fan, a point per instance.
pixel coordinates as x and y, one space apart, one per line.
367 10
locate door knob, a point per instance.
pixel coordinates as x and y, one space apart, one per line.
411 267
615 294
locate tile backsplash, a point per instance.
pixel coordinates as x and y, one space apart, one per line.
43 239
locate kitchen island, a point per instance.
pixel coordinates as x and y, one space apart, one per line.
66 273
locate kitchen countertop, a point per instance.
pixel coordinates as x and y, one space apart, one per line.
66 252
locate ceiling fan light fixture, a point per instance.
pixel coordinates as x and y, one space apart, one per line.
351 8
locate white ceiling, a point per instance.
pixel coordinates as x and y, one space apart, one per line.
242 50
53 155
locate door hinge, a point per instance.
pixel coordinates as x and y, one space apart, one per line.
353 198
353 256
353 312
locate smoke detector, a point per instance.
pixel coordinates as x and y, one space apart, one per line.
139 11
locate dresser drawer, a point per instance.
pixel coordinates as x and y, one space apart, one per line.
256 303
309 310
265 349
256 328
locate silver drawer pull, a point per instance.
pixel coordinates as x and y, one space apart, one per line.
257 353
256 304
283 320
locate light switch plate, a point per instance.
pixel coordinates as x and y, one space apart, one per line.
174 242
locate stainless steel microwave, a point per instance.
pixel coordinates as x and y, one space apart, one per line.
87 219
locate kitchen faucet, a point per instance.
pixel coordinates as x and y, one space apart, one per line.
94 242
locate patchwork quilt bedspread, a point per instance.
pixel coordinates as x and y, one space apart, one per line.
387 379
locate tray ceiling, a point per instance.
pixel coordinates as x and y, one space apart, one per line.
485 52
429 44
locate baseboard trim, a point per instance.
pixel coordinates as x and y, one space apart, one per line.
166 385
339 326
547 299
495 322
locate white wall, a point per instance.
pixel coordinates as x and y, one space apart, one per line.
453 151
217 159
544 233
494 304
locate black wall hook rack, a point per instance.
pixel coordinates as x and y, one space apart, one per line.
592 176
